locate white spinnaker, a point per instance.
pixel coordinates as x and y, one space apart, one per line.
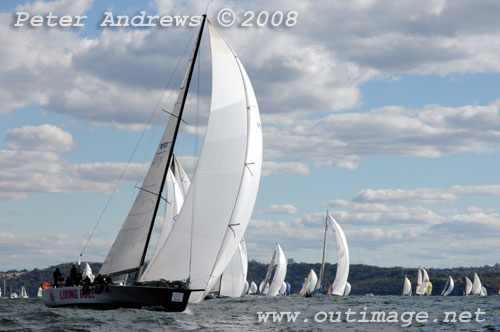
347 289
129 246
253 288
234 276
476 285
407 287
220 200
342 259
174 200
468 286
279 274
309 283
450 285
181 177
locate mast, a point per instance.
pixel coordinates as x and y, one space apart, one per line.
325 241
169 160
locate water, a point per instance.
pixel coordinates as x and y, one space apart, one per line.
241 315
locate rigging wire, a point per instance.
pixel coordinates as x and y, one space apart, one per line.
136 147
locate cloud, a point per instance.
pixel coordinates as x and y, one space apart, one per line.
34 164
30 250
280 168
343 139
277 209
41 138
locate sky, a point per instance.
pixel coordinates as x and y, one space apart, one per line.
384 113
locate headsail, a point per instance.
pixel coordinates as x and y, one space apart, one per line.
468 286
129 249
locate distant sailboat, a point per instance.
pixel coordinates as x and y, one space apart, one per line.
39 293
340 281
448 288
477 288
24 294
309 284
279 260
424 285
468 287
253 288
407 287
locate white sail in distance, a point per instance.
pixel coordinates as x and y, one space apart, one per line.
220 200
476 285
407 287
448 288
342 258
309 283
253 288
347 289
279 274
468 286
234 277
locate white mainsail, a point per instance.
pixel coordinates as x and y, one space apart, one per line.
220 200
253 288
339 283
39 293
468 286
234 277
407 287
448 288
24 294
309 283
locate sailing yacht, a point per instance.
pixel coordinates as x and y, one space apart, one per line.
424 285
448 288
279 260
216 209
477 287
407 287
309 284
339 284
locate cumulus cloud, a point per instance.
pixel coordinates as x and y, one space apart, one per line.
42 138
34 164
278 209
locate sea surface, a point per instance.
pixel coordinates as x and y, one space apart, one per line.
241 314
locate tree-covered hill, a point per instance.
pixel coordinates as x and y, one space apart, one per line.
364 279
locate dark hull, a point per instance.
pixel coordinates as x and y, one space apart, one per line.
159 298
